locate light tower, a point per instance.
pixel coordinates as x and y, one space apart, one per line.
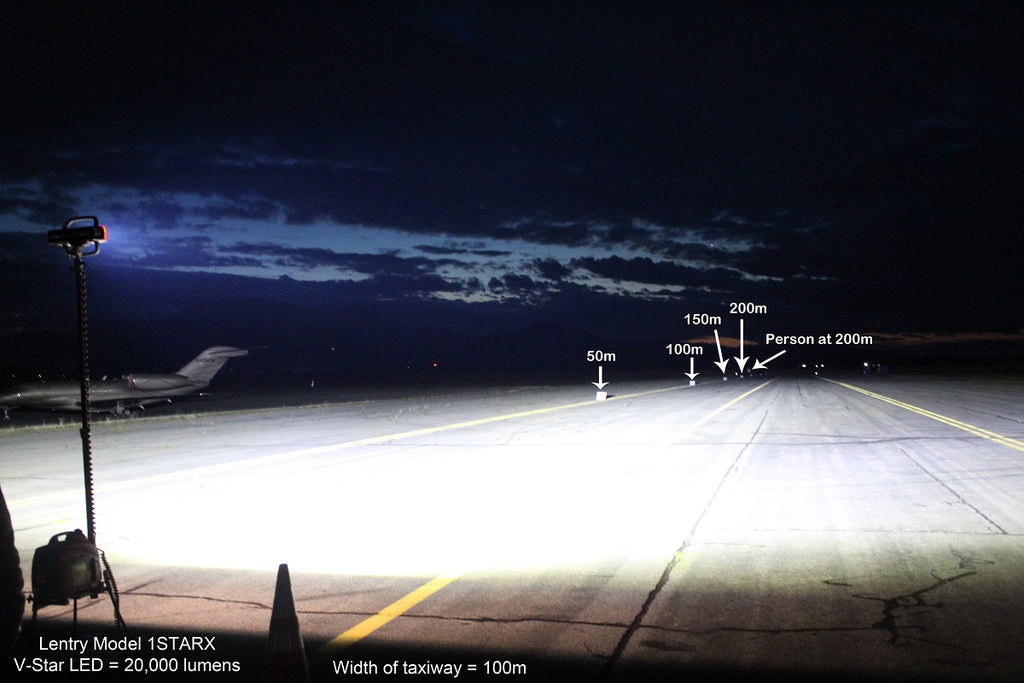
75 241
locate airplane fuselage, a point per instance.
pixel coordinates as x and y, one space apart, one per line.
120 396
66 395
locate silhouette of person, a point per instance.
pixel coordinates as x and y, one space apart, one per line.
12 582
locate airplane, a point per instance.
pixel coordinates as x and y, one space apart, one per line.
121 396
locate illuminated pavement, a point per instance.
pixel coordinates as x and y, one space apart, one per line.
797 526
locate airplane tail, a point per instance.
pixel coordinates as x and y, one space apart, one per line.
202 368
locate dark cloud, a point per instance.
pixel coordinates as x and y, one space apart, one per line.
861 163
387 285
551 269
162 212
381 265
513 282
520 288
251 209
457 251
174 258
648 271
48 206
549 232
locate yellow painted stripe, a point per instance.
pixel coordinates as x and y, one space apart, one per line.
319 450
964 426
402 605
719 409
392 611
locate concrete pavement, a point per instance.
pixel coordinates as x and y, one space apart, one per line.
796 527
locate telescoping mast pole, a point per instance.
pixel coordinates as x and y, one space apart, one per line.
75 240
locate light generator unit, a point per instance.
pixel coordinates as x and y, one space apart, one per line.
65 569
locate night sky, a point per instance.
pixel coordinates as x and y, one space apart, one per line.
364 186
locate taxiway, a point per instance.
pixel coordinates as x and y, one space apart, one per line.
798 526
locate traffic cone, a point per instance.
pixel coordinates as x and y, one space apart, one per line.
286 660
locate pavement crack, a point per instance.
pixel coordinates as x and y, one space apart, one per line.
957 495
966 561
749 629
896 615
637 622
205 598
911 604
523 620
476 620
895 610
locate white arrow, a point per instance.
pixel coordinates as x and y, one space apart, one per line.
600 383
741 359
691 374
721 363
760 365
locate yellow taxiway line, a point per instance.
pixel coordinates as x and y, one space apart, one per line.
958 424
410 600
407 602
392 611
319 450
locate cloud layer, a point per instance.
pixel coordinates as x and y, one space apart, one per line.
852 166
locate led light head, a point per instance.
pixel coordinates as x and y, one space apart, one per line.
73 239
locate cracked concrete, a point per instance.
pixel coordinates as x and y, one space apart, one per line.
899 609
804 530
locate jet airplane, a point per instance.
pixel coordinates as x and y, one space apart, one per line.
121 396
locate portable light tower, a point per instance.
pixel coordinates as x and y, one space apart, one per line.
75 240
69 566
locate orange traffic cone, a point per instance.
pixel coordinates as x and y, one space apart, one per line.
286 661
